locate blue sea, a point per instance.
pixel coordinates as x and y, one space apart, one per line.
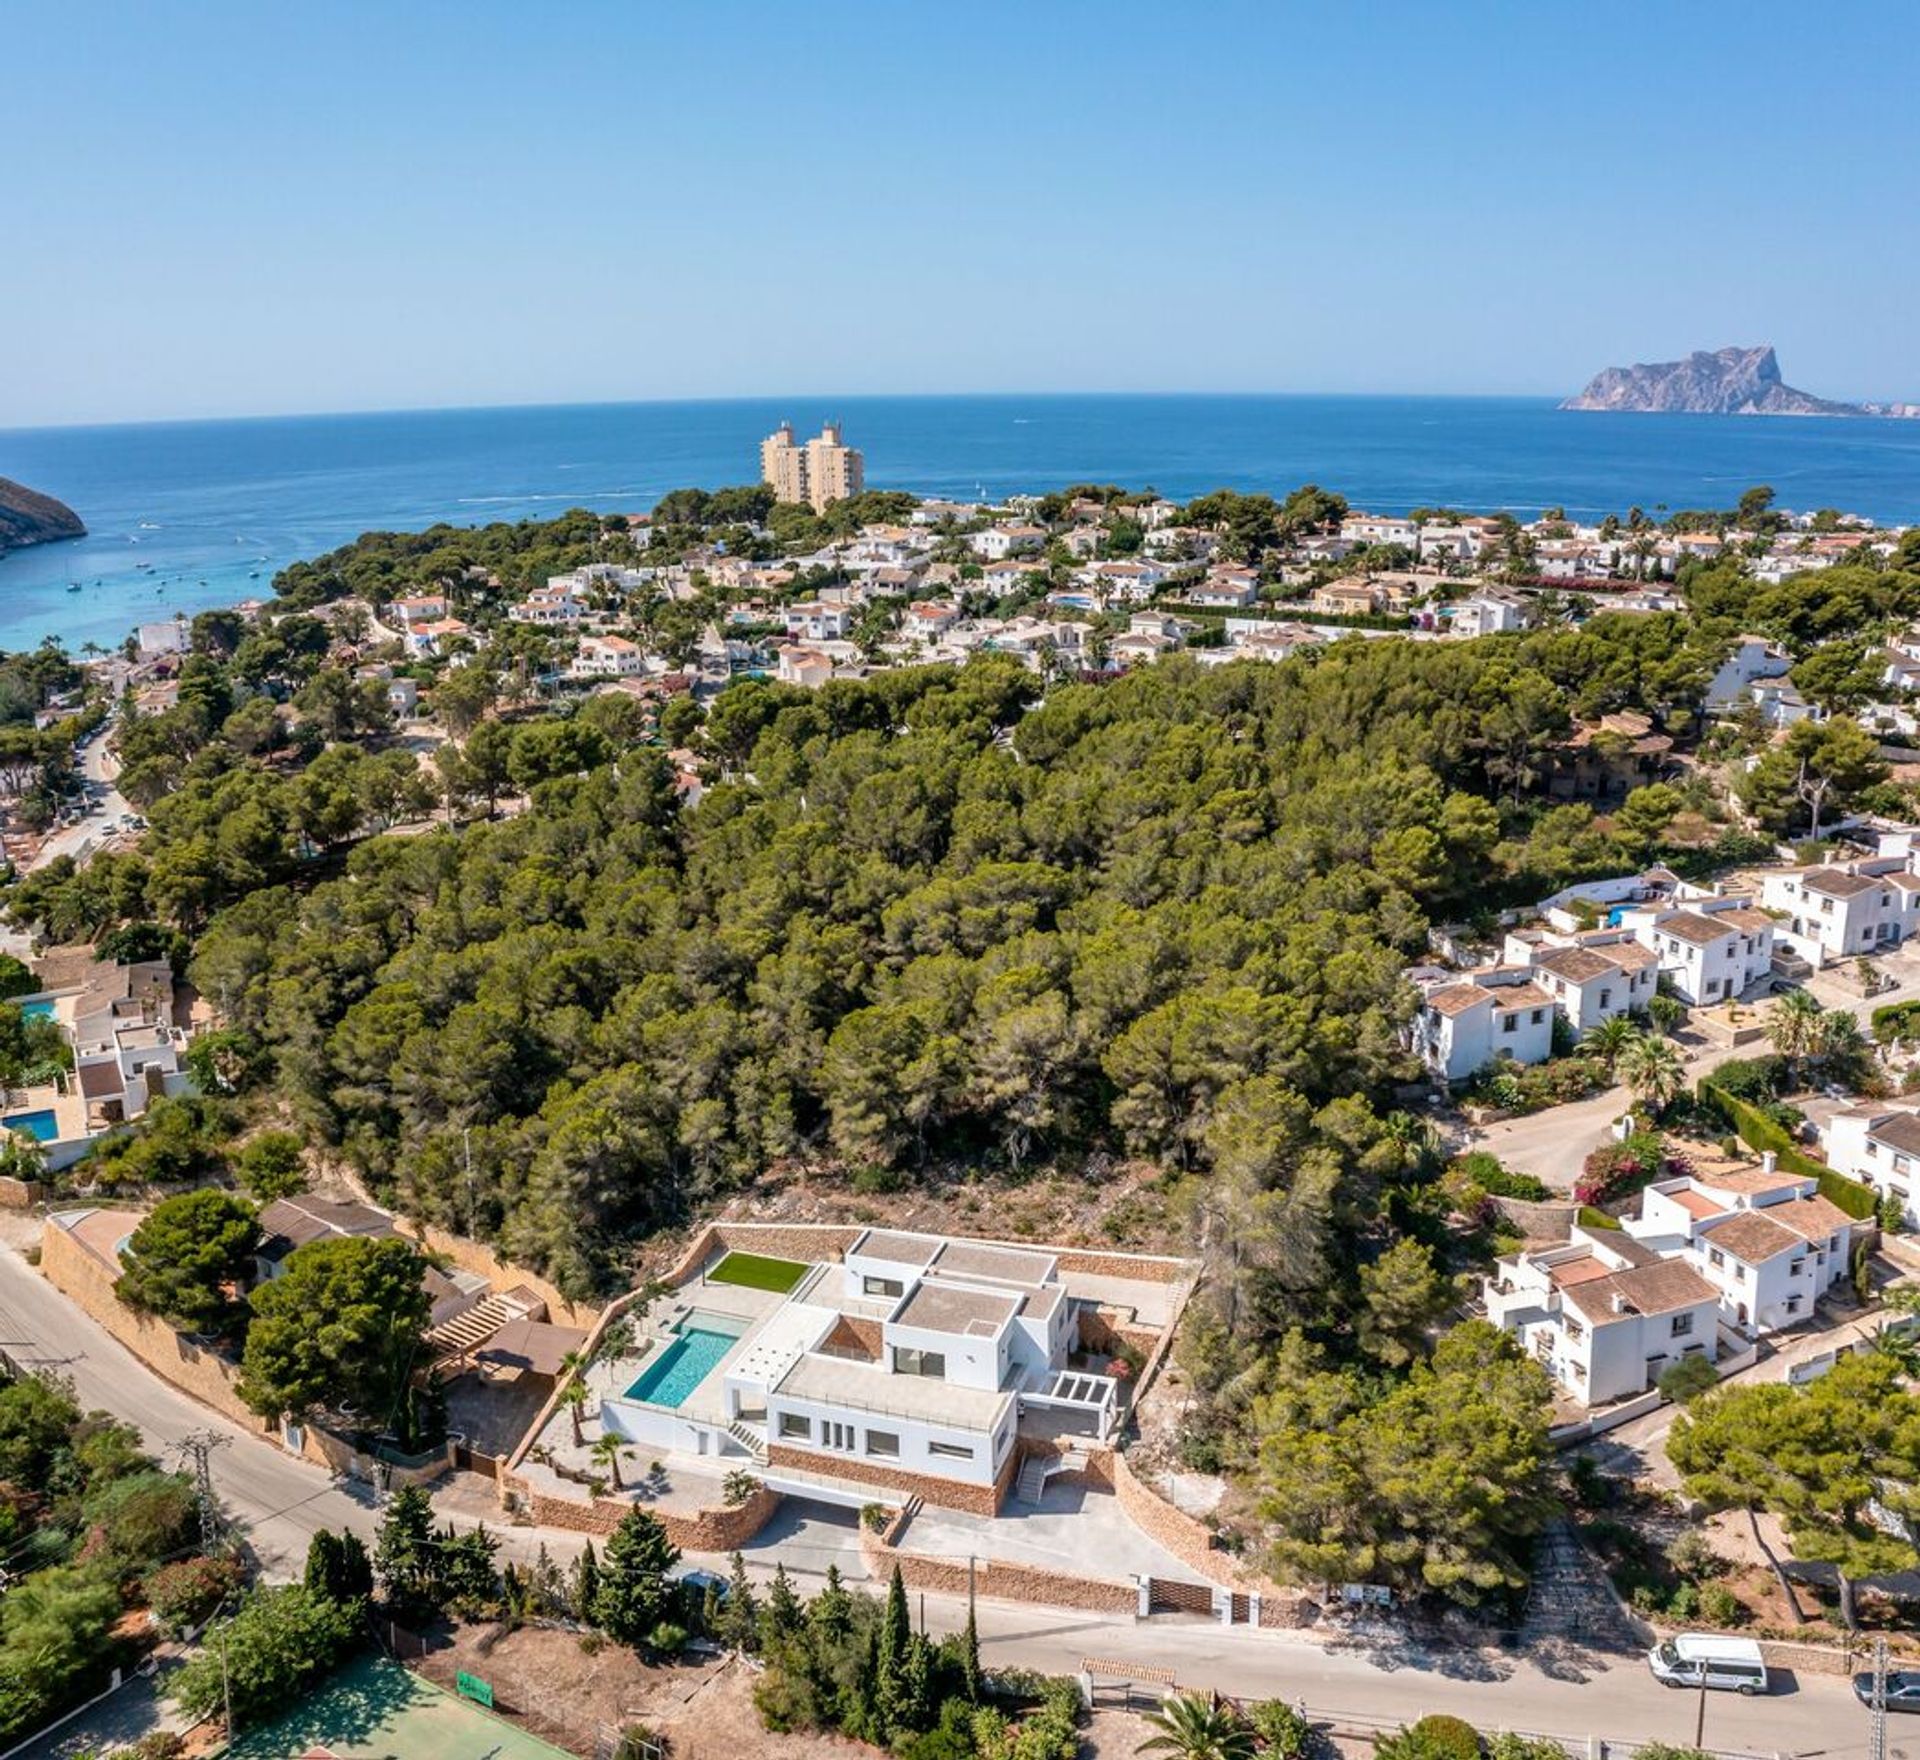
214 508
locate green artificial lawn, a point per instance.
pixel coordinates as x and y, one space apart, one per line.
751 1271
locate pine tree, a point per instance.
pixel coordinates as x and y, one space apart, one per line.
890 1692
586 1584
782 1613
740 1612
970 1650
831 1611
547 1587
406 1555
634 1595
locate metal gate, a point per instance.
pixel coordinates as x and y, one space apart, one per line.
1167 1595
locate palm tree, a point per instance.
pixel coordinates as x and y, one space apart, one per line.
607 1452
1793 1024
1838 1044
1610 1038
1197 1726
574 1397
1652 1069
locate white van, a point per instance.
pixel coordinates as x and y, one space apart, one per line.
1731 1665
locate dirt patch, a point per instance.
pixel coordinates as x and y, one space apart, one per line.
706 1708
1101 1202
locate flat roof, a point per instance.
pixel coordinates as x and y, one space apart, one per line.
865 1387
1004 1264
789 1332
955 1309
897 1247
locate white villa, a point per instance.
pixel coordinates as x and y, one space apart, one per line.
1710 949
1842 912
1880 1145
908 1362
1766 1240
1467 1021
1604 1314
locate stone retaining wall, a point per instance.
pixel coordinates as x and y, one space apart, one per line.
1539 1219
977 1500
20 1194
207 1377
706 1530
996 1579
470 1255
1189 1540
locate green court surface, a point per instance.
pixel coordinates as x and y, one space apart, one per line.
751 1271
376 1710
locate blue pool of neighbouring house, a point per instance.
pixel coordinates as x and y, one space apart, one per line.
42 1124
36 1011
670 1378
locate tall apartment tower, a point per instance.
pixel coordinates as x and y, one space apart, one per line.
818 473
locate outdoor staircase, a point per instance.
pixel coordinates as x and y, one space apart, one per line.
749 1440
1033 1478
1569 1599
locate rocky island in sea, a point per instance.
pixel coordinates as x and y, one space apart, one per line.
28 517
1727 382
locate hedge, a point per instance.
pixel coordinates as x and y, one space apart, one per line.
1897 1020
1592 1218
1758 1131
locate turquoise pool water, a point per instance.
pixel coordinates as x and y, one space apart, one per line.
669 1380
36 1011
36 1124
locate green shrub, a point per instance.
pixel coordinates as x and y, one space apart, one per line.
1758 1131
1446 1738
1687 1379
1719 1606
1283 1732
1486 1171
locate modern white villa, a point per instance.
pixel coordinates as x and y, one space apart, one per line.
912 1363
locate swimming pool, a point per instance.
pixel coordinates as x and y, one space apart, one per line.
669 1380
42 1125
36 1011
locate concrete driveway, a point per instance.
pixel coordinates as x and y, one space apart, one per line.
1071 1528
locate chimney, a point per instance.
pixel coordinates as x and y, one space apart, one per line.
1768 1160
1619 1303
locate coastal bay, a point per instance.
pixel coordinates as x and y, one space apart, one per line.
187 515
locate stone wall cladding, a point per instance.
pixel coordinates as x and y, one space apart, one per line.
201 1374
707 1530
471 1255
1189 1541
996 1579
977 1500
20 1194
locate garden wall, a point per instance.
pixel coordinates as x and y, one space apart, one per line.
470 1255
20 1194
706 1530
203 1374
996 1579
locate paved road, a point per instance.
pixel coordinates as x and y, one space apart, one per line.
100 818
282 1501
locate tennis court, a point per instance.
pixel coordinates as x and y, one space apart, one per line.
753 1271
376 1710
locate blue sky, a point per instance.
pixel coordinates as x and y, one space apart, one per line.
225 208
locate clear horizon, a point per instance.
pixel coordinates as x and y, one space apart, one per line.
257 213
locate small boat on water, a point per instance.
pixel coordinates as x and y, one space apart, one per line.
73 586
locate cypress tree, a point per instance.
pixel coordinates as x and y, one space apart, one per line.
782 1612
586 1583
740 1612
890 1688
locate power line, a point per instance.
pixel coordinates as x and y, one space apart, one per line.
195 1453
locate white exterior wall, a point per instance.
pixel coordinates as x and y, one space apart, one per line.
1750 660
1821 928
917 1438
971 1361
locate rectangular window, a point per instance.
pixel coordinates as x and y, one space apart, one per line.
792 1424
836 1435
1606 997
907 1361
1682 1325
952 1451
1510 1024
883 1442
882 1286
1537 1016
1715 1256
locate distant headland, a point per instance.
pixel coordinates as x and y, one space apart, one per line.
1727 382
28 517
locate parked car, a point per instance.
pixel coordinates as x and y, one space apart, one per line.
1698 1659
1903 1689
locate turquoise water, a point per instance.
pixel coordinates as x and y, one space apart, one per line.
669 1380
36 1011
214 509
36 1124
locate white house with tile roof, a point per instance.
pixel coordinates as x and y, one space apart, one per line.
1710 949
1468 1020
1764 1238
1605 1315
1834 913
1879 1144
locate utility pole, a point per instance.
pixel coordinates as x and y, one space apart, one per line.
1877 1727
195 1454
